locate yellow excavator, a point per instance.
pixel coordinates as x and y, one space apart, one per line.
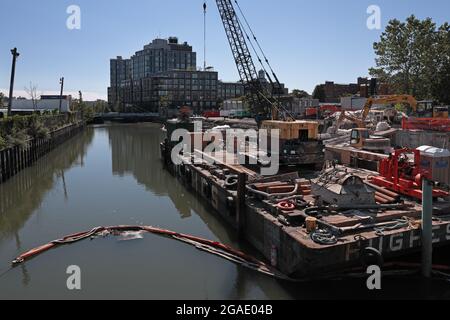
435 112
393 99
360 137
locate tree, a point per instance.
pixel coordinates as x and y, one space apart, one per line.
32 92
442 79
412 57
300 93
319 93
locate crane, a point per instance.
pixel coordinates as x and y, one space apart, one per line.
299 143
262 102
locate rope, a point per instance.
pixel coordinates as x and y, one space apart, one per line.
397 224
324 237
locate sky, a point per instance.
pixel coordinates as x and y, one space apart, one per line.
307 41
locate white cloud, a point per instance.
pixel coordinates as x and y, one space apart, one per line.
87 95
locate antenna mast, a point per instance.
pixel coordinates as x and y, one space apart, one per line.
204 36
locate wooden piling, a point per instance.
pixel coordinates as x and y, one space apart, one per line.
427 228
240 208
15 159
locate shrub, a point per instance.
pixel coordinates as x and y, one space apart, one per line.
17 138
37 129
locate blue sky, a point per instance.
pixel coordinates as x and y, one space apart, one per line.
308 42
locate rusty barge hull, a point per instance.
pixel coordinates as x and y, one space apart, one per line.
290 248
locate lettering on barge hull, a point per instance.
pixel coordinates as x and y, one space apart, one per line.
398 242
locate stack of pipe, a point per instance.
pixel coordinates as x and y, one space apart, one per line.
384 196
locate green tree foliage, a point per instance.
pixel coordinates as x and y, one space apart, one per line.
2 142
87 112
19 130
414 58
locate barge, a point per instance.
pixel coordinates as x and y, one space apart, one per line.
302 230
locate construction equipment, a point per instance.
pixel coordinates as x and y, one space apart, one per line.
360 137
430 110
335 186
400 173
393 99
423 110
299 143
440 112
262 102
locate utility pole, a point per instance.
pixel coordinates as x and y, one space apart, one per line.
15 55
61 82
204 36
427 228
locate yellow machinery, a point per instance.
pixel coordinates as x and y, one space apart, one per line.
435 112
294 130
360 137
394 99
440 112
299 142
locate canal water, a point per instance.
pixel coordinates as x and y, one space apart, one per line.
112 175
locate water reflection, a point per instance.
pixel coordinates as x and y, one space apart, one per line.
22 195
135 151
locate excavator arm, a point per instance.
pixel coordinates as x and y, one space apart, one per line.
407 99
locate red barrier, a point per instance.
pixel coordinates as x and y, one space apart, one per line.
430 124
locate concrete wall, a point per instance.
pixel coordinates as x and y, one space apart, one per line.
414 139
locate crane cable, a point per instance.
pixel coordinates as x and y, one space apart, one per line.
275 104
266 92
256 40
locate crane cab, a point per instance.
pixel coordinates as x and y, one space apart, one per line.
360 138
299 142
440 112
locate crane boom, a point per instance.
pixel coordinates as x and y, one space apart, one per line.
260 104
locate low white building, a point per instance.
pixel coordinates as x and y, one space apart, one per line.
43 104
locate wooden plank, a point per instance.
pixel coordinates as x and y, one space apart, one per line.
280 189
